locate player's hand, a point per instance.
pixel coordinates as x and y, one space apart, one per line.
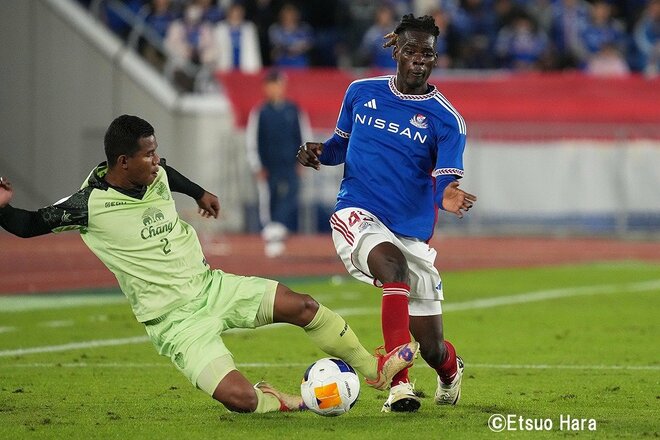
308 154
456 200
6 192
209 205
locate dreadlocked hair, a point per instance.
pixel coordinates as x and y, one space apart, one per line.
410 23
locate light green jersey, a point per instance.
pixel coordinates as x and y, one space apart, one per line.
156 257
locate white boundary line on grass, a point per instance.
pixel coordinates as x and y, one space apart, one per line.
302 365
542 295
522 298
74 346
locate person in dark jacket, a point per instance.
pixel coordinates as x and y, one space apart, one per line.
274 132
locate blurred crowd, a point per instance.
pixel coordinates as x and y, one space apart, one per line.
602 37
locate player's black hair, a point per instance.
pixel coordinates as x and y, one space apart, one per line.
122 137
410 23
422 24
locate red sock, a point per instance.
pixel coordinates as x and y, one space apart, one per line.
447 369
395 321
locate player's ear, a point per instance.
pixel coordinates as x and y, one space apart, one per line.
122 161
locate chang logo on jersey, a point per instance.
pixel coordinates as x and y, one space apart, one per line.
161 190
419 121
391 127
154 224
152 215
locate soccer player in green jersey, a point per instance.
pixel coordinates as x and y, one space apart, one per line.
126 215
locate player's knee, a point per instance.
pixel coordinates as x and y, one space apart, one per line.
308 308
388 264
295 308
239 399
394 269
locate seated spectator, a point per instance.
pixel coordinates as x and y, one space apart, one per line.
290 39
608 61
329 48
189 40
371 51
647 38
237 42
569 17
447 41
211 13
520 45
116 21
541 11
600 30
477 27
158 15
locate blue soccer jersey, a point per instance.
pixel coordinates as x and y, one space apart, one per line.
398 151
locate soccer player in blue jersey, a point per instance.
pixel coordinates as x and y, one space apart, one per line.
401 143
126 215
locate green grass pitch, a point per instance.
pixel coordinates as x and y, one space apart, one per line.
541 344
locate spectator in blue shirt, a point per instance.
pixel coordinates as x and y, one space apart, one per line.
371 51
447 40
569 17
600 30
159 16
290 39
477 26
117 22
647 38
211 12
521 45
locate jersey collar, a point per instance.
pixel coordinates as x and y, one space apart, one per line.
400 95
97 181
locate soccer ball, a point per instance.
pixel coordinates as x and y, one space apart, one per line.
330 387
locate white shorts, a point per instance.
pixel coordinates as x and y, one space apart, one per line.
356 232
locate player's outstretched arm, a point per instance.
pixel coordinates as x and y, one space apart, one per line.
308 154
209 205
20 222
456 200
6 192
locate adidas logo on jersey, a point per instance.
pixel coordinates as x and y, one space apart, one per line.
371 104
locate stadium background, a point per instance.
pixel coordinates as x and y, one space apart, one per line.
551 156
552 280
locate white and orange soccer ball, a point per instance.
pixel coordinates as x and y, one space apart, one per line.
330 387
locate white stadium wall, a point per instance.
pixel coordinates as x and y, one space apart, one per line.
64 78
585 186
